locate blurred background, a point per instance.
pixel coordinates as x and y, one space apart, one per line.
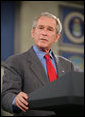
16 21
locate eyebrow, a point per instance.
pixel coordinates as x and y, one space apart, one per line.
47 27
51 28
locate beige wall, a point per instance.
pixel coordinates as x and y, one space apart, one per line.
2 72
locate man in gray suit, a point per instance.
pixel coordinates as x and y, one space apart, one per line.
27 72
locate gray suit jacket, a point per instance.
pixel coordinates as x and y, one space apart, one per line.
24 72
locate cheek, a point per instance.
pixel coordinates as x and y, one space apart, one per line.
52 38
37 33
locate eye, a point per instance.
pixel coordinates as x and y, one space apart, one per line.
41 27
50 29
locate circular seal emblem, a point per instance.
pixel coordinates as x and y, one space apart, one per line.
74 27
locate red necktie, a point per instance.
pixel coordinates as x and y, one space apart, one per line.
50 68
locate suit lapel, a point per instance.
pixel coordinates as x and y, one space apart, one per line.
36 67
59 66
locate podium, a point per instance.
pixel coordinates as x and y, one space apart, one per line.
64 96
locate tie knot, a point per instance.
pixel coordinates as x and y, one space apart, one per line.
47 56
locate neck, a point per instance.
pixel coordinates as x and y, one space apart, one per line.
46 50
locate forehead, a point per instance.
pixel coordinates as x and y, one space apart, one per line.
43 20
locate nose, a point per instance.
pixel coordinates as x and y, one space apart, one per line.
44 32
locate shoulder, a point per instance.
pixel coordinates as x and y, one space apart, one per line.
64 62
62 59
18 58
15 58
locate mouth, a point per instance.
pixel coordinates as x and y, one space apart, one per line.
43 39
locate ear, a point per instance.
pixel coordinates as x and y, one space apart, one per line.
32 33
57 37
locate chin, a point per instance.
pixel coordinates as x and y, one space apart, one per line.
43 46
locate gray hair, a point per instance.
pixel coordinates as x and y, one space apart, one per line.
49 15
